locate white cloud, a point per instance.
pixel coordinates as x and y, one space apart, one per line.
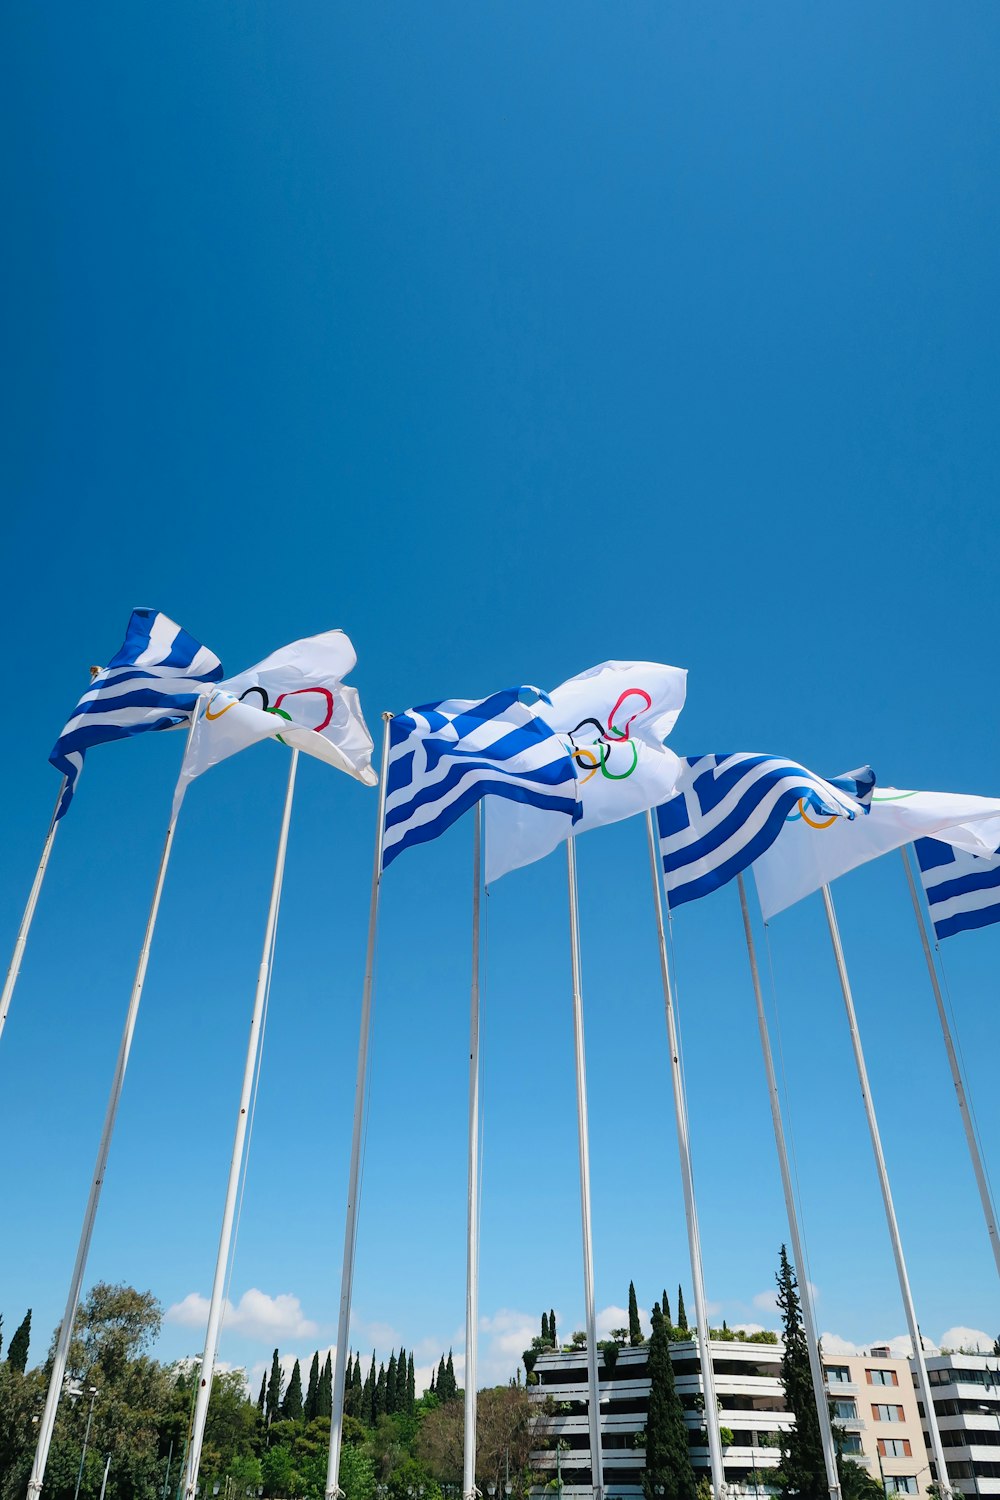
256 1316
375 1335
834 1344
766 1301
967 1338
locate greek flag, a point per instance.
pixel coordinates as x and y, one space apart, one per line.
963 890
728 809
152 683
444 757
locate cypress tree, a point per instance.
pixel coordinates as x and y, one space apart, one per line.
634 1326
411 1386
666 1311
261 1399
668 1472
324 1391
378 1404
401 1406
442 1381
682 1321
432 1388
545 1327
291 1407
357 1386
272 1402
452 1382
312 1389
17 1349
368 1396
390 1385
802 1472
552 1326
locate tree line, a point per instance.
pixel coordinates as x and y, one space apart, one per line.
123 1404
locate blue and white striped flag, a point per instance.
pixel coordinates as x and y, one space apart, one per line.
444 757
730 808
152 683
963 890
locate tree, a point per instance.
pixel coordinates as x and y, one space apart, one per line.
291 1407
272 1401
114 1324
378 1403
368 1396
17 1349
312 1389
545 1328
803 1471
411 1385
552 1328
668 1472
390 1385
665 1309
682 1322
324 1391
634 1326
452 1382
357 1387
262 1398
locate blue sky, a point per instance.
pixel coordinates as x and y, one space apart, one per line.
510 338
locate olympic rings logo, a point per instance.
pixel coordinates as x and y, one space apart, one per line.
800 813
596 757
275 708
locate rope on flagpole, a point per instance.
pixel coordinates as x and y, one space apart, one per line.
20 942
253 1110
785 1095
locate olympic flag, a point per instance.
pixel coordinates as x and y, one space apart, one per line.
613 720
297 695
810 852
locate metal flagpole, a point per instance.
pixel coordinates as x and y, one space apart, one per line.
469 1490
923 1388
687 1178
333 1490
47 1423
594 1402
7 994
805 1291
956 1072
236 1161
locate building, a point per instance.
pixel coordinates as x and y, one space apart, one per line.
966 1393
874 1406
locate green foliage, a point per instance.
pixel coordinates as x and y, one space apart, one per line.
802 1472
272 1401
579 1339
665 1309
856 1483
17 1349
291 1407
309 1406
552 1331
609 1349
668 1472
682 1322
634 1326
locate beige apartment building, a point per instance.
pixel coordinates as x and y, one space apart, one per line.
875 1405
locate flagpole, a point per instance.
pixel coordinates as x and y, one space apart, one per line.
47 1423
923 1389
956 1072
333 1490
798 1253
687 1179
236 1161
583 1129
469 1490
14 969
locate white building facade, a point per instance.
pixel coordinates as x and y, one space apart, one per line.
965 1389
875 1409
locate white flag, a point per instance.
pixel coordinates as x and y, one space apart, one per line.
297 695
811 851
613 720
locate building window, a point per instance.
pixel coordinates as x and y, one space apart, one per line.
845 1410
838 1374
895 1448
887 1413
882 1377
900 1484
850 1443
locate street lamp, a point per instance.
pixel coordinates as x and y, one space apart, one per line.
86 1436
